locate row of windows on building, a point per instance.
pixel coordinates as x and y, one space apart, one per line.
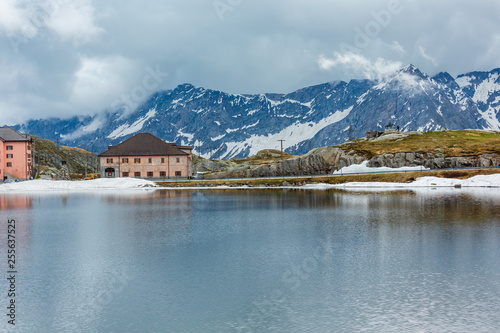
138 160
151 174
12 147
12 155
9 165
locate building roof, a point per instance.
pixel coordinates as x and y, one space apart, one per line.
8 134
144 144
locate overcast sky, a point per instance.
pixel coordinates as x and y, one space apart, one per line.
71 57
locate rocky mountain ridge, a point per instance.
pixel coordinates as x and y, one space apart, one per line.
225 125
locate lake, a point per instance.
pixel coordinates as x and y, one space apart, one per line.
270 260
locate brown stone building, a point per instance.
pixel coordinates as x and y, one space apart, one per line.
146 156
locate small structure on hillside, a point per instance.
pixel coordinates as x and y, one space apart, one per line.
373 134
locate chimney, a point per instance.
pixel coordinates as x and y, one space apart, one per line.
109 147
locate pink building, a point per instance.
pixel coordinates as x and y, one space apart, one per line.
146 156
15 154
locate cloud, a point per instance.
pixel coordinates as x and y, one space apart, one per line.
74 21
78 56
359 64
100 80
12 17
70 20
424 54
397 47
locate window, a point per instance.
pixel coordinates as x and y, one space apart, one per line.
137 160
150 160
163 174
109 160
9 164
10 156
163 160
124 174
150 174
29 146
137 174
178 173
125 160
10 148
29 155
178 160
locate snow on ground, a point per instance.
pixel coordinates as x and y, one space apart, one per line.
63 185
476 181
362 168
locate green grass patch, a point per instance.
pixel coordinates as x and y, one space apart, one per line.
448 143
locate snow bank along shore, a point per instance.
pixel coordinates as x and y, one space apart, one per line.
63 185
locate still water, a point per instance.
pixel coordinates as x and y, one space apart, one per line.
253 261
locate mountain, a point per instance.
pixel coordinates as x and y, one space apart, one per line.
236 125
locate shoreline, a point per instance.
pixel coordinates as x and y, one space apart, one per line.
384 181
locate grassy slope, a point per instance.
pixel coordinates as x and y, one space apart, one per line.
49 155
449 143
266 156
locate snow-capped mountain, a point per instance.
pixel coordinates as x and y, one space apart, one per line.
232 125
484 89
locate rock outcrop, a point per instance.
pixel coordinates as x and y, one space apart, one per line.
319 161
327 160
433 160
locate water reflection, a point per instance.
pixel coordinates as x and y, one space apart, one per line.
15 201
199 260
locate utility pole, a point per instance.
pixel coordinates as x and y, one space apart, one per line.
58 156
351 131
281 149
199 146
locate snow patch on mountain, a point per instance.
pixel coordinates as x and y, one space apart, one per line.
486 88
127 129
293 135
189 136
92 127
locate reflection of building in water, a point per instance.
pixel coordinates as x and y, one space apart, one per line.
15 201
147 198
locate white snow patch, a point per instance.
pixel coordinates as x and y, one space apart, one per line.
218 123
189 136
93 126
63 185
490 119
476 181
275 103
486 88
218 137
363 168
293 135
439 110
127 129
463 81
250 126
